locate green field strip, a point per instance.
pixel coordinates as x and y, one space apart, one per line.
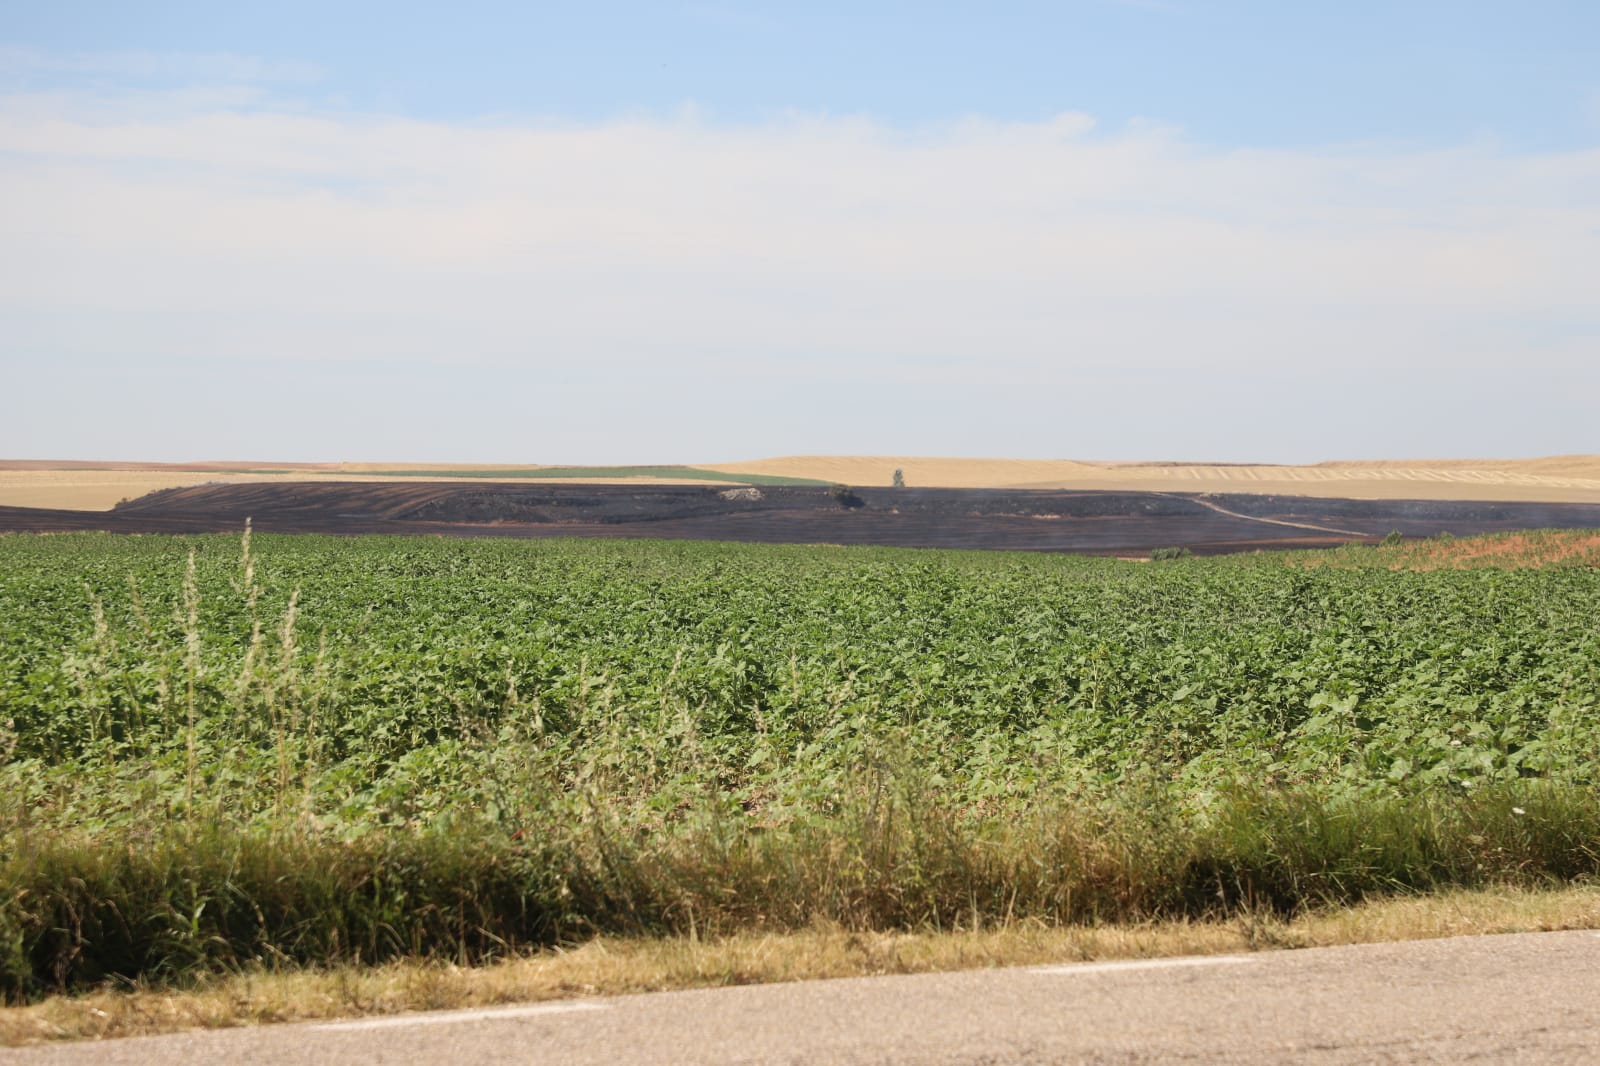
592 473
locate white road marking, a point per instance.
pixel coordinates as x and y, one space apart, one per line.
1146 964
454 1017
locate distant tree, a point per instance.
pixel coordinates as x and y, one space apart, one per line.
1161 555
899 478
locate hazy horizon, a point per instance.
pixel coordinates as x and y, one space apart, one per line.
716 461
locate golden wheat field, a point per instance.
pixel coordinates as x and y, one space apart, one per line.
1558 479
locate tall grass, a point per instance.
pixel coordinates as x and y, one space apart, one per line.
176 905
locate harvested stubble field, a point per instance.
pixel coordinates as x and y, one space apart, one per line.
1553 479
223 754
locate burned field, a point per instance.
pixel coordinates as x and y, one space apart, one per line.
1101 523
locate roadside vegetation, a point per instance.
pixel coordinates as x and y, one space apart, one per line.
621 964
234 756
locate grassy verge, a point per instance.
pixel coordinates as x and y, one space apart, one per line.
616 965
175 907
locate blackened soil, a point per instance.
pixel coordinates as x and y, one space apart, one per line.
1104 523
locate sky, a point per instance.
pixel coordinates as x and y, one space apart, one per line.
662 232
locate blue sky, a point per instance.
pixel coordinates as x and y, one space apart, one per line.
697 232
1228 73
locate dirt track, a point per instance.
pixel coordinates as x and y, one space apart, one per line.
1108 523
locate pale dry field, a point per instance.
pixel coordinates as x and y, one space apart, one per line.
81 489
1559 479
100 490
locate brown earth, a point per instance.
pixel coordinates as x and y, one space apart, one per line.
1105 523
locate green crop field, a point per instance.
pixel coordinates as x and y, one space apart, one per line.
218 752
600 473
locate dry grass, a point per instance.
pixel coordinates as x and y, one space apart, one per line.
1531 550
612 966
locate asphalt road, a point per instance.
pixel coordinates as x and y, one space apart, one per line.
1512 999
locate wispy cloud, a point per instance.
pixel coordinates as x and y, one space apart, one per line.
818 248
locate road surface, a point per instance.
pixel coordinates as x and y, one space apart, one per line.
1531 998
